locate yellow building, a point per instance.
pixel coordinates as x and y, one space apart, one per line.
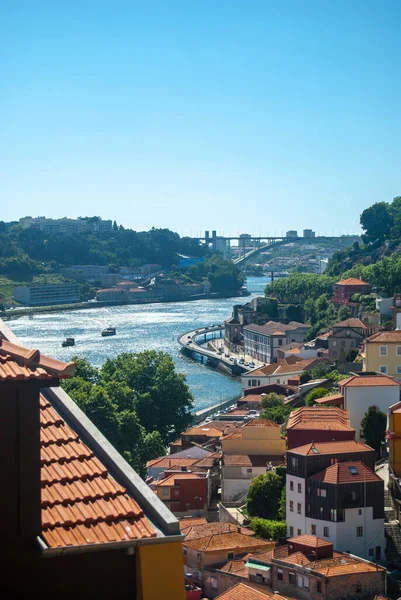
382 353
257 437
394 438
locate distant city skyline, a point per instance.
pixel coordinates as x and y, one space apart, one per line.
238 117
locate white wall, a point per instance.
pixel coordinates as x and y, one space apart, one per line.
233 488
297 521
358 399
343 534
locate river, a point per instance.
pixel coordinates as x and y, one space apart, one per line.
143 327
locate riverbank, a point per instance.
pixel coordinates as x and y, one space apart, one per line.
31 310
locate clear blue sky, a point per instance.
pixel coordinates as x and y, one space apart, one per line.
240 116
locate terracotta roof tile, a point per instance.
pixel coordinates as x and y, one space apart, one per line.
262 423
225 541
34 360
171 479
309 540
353 323
369 380
11 370
202 530
351 281
245 460
322 418
187 522
81 502
385 337
344 447
249 591
346 472
333 398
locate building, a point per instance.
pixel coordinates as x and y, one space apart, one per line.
382 353
247 591
308 233
308 568
334 493
76 518
85 272
238 470
253 312
318 424
257 437
263 341
47 294
202 553
292 233
394 438
281 373
66 226
362 390
344 338
346 288
184 492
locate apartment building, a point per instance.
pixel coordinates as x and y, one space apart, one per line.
47 295
318 424
263 341
66 226
334 493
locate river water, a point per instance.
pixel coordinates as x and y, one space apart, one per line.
143 327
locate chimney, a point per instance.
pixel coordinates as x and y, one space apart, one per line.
20 497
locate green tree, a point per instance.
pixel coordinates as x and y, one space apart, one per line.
282 506
268 529
271 400
315 394
293 312
263 499
374 427
377 222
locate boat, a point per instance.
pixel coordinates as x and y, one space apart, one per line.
68 342
108 331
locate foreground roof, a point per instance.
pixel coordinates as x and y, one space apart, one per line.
81 502
344 447
385 337
34 360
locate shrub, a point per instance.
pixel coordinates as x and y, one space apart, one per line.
269 530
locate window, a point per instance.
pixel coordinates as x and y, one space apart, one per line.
165 493
371 552
398 351
353 470
359 531
280 342
313 529
249 383
321 511
253 382
291 506
306 583
291 577
337 514
186 552
213 582
299 531
321 493
319 587
291 486
300 581
359 587
383 351
299 488
291 531
280 575
249 470
299 508
333 461
398 369
199 556
325 531
230 556
383 369
360 511
334 343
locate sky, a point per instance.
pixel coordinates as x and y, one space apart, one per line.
252 116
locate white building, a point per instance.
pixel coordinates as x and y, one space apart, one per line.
238 472
334 493
364 390
47 295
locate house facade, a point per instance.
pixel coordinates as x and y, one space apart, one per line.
382 353
238 472
346 336
362 390
346 288
334 493
259 437
262 342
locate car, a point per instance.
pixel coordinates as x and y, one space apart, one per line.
252 364
226 355
231 358
241 361
246 364
190 342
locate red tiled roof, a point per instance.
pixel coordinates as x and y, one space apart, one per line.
81 502
250 460
368 381
330 399
171 479
206 430
168 462
351 281
344 447
262 423
309 540
33 359
353 323
202 530
11 370
346 472
225 541
249 591
385 337
188 522
309 417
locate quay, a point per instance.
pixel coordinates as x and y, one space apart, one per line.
191 345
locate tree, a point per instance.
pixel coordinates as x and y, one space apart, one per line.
377 222
293 312
315 394
263 499
267 529
374 427
271 400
